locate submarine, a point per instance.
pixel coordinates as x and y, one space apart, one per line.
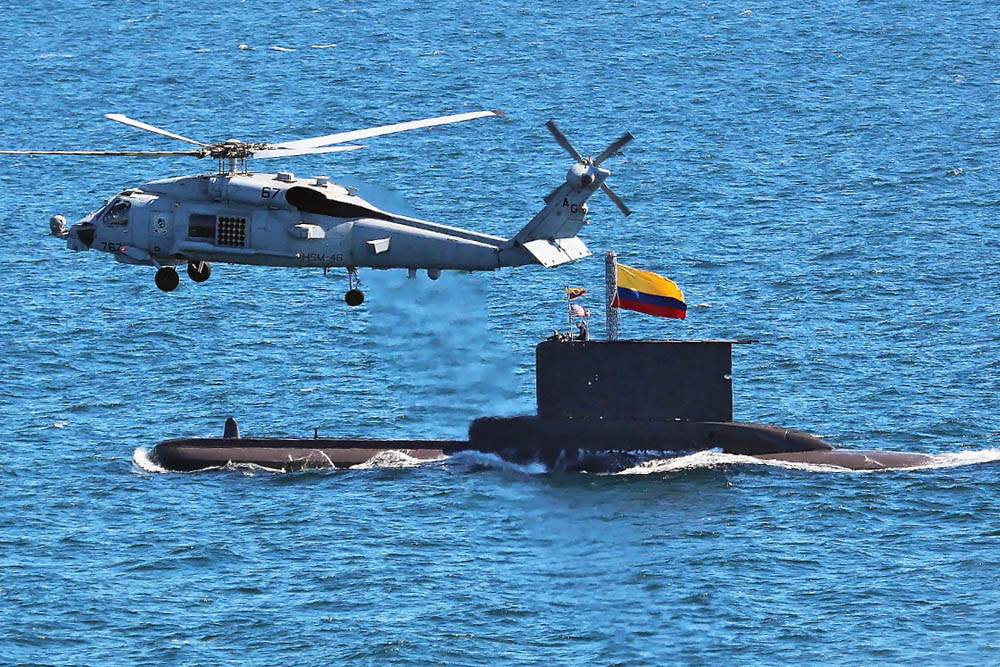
602 406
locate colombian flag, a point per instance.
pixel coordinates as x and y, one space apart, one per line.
649 293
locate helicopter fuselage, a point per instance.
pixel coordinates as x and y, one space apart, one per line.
278 220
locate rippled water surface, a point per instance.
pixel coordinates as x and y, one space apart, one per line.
820 177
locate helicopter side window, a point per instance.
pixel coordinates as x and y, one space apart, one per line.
201 226
117 213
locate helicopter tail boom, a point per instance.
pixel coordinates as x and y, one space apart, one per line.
550 238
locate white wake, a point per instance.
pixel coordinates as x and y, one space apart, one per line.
392 458
472 459
714 459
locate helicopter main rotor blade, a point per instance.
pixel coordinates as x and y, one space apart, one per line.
109 153
356 135
289 152
149 128
563 141
613 148
616 199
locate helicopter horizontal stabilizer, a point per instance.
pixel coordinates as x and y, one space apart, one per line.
557 251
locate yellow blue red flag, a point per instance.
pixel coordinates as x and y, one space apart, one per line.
575 292
649 293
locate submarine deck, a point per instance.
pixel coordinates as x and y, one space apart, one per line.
293 454
289 454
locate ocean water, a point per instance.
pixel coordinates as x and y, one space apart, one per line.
819 177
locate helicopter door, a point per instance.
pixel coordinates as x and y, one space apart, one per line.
260 229
160 228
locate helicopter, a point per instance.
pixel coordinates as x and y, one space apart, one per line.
237 216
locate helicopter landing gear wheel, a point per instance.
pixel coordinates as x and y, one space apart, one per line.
199 271
166 278
354 296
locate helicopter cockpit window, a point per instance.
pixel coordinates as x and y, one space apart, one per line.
201 226
117 213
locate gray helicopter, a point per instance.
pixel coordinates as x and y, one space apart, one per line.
237 216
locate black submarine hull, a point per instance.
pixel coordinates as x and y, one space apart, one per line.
855 459
286 454
569 447
526 435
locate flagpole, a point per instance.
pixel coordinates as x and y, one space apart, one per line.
610 291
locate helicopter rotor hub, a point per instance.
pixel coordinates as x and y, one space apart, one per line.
233 149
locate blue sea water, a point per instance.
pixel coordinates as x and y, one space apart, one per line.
818 176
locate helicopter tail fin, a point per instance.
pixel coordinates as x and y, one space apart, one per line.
551 236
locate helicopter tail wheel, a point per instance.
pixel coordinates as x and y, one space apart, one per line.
166 279
354 297
199 271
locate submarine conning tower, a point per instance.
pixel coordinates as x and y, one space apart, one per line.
631 395
658 380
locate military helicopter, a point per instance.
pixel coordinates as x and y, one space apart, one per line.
276 219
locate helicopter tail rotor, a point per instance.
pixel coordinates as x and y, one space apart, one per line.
563 141
550 238
612 149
